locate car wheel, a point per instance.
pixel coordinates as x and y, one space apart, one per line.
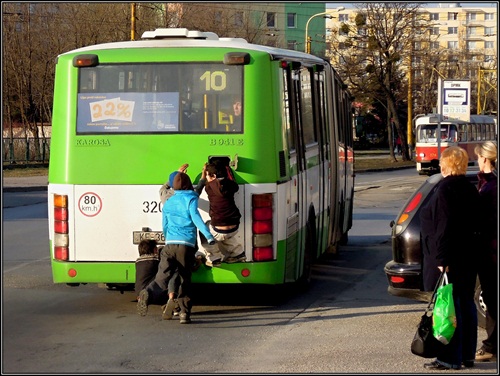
481 307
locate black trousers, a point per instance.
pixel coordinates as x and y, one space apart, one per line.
177 258
488 278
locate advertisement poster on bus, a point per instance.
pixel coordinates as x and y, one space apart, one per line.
456 100
127 112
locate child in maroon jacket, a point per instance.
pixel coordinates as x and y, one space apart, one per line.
224 215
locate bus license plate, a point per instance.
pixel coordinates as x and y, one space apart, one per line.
154 235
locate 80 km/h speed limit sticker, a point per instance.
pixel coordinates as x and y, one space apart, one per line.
90 204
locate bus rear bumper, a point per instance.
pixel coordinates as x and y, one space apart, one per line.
117 273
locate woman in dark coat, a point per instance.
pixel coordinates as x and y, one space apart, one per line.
488 264
449 242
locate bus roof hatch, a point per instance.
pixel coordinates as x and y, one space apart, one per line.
178 33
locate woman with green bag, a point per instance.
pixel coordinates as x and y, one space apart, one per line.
449 238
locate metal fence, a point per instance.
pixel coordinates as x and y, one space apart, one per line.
25 150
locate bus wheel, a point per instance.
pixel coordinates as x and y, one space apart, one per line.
344 239
305 279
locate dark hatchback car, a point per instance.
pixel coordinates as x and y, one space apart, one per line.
404 271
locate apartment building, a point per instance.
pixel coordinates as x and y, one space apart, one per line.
459 43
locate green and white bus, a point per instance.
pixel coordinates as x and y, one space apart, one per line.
127 114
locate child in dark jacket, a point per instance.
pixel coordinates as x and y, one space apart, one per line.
224 216
146 267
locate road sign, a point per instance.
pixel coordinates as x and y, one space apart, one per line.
455 100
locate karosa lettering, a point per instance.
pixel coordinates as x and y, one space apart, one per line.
93 142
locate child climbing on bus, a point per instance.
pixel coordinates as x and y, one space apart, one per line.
224 215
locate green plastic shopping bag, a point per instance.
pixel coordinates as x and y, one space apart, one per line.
444 319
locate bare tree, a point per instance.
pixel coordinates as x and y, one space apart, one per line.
33 35
373 52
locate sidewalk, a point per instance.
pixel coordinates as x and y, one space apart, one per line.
25 183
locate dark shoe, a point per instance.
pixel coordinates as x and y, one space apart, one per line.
435 365
177 309
214 263
184 318
468 363
142 303
168 309
240 258
197 262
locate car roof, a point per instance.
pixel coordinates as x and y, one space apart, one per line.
472 171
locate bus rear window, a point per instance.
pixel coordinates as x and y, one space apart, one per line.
160 98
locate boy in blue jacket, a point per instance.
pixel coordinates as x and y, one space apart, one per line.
181 219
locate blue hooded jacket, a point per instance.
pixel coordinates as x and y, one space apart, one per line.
181 218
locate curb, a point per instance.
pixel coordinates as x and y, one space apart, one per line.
383 169
24 189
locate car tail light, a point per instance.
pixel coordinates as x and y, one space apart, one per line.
61 228
262 227
395 279
407 212
412 205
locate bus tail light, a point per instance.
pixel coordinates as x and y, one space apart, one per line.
61 228
262 227
262 253
61 253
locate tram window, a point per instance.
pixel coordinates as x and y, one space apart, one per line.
470 133
427 133
444 134
453 134
462 132
489 131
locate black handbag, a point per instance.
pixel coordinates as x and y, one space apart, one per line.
424 343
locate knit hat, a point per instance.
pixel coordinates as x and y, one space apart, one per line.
171 178
182 182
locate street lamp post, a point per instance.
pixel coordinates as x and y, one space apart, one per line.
410 108
132 20
308 38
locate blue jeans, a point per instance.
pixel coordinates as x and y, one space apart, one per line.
462 346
